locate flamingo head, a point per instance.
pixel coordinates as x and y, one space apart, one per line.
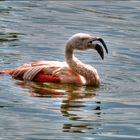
82 41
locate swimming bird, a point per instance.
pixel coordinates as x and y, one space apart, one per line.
72 70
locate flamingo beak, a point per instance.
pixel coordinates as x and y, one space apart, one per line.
103 43
99 49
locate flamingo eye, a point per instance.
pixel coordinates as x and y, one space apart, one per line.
90 42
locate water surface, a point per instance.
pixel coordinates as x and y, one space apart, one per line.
38 30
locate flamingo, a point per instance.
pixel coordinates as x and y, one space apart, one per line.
72 70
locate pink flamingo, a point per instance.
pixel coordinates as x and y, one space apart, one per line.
70 71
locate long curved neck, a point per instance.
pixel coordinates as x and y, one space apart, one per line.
90 73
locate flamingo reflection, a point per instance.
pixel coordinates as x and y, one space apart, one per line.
74 103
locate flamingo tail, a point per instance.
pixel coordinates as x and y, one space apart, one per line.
9 72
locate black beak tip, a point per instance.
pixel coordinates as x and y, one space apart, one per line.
107 51
103 43
99 49
102 57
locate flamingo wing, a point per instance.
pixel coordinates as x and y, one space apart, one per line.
40 71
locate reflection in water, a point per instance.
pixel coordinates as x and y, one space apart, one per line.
80 117
8 36
70 91
73 104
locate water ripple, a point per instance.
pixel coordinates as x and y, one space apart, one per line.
38 30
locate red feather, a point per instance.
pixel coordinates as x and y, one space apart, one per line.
46 78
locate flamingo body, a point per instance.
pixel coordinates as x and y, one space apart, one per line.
71 71
46 71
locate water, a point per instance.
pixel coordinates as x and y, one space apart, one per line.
38 30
